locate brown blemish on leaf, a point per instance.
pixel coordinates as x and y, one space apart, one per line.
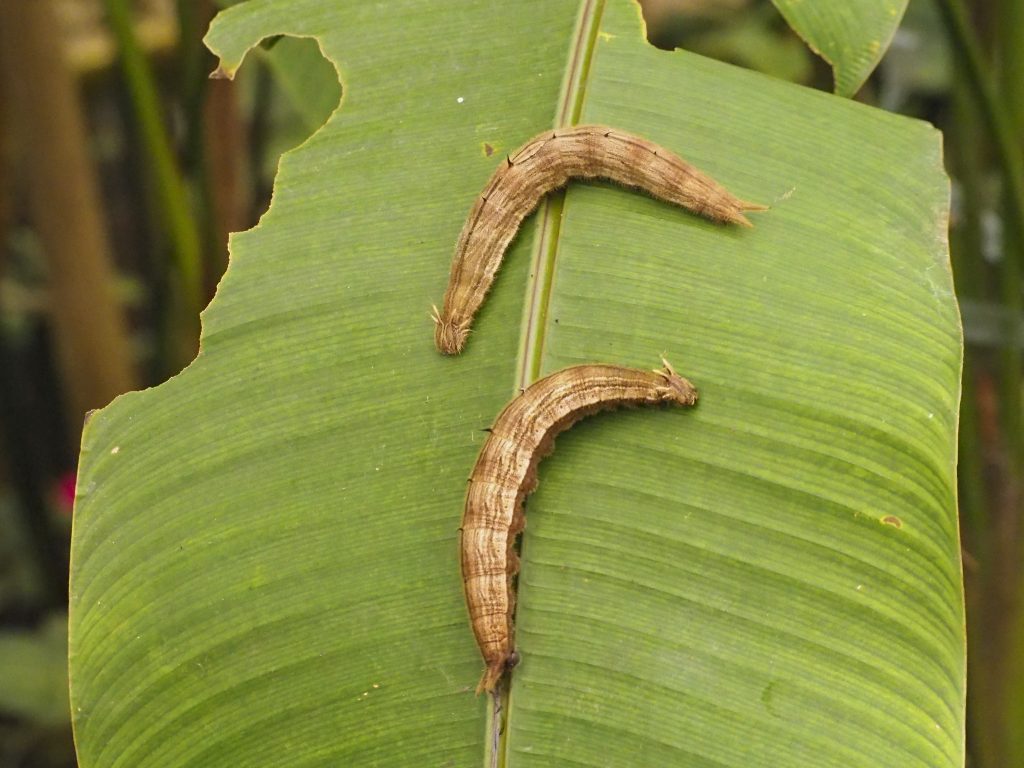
544 164
892 520
488 150
506 472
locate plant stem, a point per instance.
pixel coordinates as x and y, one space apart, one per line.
997 122
174 205
91 334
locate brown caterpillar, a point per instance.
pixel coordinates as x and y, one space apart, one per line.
544 164
506 472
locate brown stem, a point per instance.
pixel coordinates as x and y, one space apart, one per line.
90 328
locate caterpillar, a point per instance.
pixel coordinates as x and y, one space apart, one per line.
544 164
506 472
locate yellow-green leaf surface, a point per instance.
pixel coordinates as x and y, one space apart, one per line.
265 566
851 36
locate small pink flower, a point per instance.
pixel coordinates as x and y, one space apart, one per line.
65 492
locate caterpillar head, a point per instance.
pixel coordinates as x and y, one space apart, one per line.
676 389
450 334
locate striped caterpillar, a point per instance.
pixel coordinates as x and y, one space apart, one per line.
506 472
544 164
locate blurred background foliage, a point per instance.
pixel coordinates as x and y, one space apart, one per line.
123 168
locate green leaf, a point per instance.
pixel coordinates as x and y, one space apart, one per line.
307 81
34 671
755 41
265 563
852 37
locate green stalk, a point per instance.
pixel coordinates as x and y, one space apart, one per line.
975 501
170 188
193 18
1011 61
969 272
1010 37
996 694
997 122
